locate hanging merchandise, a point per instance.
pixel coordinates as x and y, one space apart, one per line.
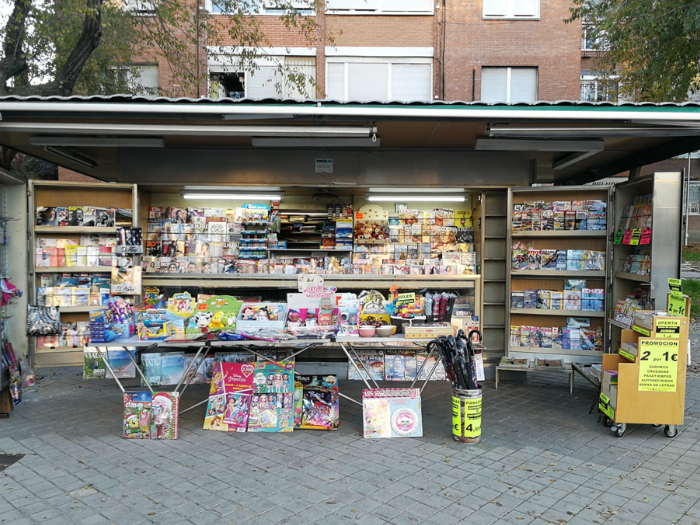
43 320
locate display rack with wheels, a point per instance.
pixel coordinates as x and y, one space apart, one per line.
650 370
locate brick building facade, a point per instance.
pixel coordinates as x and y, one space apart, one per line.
491 50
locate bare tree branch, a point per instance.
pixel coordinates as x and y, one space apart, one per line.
14 62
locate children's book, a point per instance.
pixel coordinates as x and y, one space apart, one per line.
391 413
165 415
137 415
316 402
272 404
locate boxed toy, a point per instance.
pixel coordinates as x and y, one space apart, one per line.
137 415
316 402
218 313
253 317
165 415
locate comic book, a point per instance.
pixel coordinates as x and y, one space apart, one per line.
229 397
272 404
137 415
392 412
316 402
165 415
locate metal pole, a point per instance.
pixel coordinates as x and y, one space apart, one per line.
349 399
106 359
352 362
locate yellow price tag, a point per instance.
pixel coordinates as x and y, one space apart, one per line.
641 330
675 285
658 365
456 417
668 328
676 304
626 355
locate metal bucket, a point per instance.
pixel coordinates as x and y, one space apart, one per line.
466 415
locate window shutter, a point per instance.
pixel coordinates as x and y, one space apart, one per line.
262 82
494 86
301 66
411 82
368 82
408 6
523 84
335 79
357 5
525 8
495 7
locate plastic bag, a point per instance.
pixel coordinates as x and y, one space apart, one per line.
43 320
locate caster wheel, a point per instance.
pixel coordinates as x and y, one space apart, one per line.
656 426
620 431
608 422
670 431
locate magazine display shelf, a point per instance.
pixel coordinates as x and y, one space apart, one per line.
348 346
664 248
64 194
519 280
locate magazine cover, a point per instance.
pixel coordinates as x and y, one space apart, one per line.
316 402
392 412
272 404
122 365
165 415
93 364
375 365
137 415
229 397
150 366
395 365
172 367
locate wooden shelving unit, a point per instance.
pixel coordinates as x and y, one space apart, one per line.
64 194
520 280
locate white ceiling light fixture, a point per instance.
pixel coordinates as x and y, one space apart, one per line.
233 189
412 197
239 195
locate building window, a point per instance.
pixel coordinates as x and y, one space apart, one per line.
508 84
596 89
141 7
141 79
379 79
512 9
271 79
259 7
591 42
373 7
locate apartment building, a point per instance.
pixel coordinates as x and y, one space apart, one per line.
490 50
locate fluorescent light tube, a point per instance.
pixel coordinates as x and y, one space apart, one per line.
415 198
233 189
416 190
234 196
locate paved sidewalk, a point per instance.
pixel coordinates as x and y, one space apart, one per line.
543 459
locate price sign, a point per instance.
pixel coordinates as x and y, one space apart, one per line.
626 355
646 236
668 328
641 330
675 285
636 237
359 216
658 365
619 234
627 237
676 304
605 407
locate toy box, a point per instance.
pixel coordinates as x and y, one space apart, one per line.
261 316
153 324
392 412
218 313
316 402
272 404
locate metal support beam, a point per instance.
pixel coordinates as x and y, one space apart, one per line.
665 151
572 159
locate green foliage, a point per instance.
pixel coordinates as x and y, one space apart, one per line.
653 45
691 287
691 255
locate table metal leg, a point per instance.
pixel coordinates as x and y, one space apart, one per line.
497 378
425 383
187 372
138 368
105 357
352 362
571 383
195 405
349 399
418 373
363 365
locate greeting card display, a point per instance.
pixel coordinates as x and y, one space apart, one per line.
272 404
316 403
392 412
229 397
